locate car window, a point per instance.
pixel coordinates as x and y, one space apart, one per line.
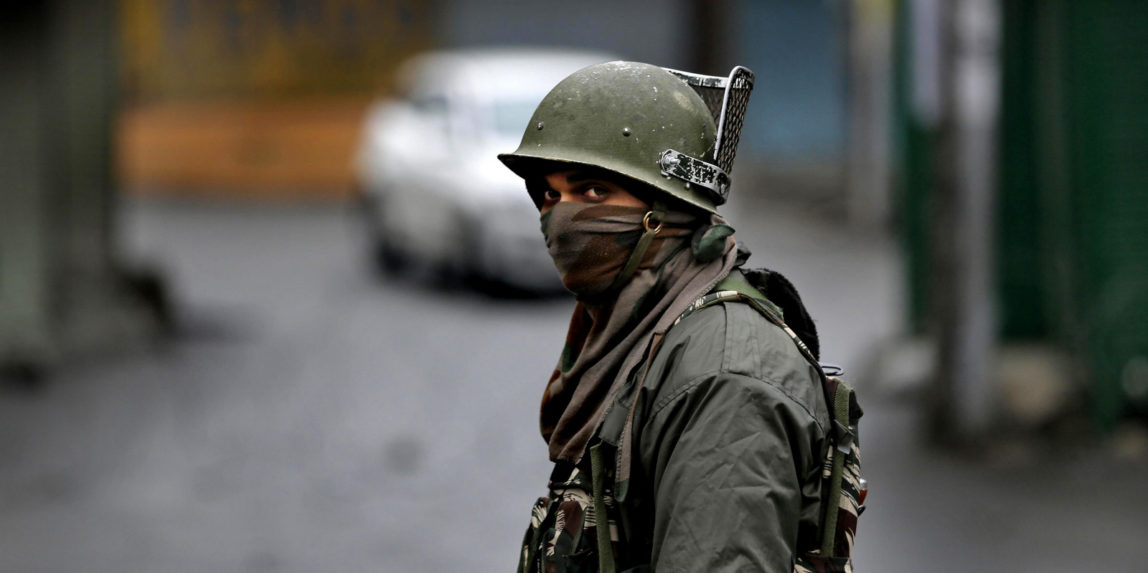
511 116
432 111
432 105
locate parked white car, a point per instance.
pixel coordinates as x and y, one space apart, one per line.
436 196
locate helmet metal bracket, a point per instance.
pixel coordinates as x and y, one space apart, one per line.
727 99
696 172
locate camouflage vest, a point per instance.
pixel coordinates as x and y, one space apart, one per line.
564 535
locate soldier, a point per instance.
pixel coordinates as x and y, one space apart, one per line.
702 445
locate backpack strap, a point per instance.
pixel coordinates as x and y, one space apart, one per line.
737 282
843 400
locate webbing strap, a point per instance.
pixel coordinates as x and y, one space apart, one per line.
601 518
832 500
657 211
736 281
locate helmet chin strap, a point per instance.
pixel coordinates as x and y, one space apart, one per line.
652 223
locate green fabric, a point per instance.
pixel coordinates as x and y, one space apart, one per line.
730 434
737 282
710 244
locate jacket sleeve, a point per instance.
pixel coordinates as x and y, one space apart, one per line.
728 456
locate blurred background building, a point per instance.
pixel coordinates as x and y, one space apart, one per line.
960 184
236 97
62 288
1027 107
864 108
251 98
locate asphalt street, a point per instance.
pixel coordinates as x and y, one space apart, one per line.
312 417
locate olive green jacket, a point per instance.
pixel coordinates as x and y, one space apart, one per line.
729 438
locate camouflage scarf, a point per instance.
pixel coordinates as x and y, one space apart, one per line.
613 323
591 244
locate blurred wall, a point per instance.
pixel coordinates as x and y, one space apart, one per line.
796 51
185 49
1067 220
260 97
264 97
653 31
24 272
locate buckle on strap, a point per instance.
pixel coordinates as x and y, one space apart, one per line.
843 436
696 172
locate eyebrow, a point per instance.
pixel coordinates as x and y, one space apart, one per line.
580 176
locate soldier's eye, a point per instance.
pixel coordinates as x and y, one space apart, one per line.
551 195
596 192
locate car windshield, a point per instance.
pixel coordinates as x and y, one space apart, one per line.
511 116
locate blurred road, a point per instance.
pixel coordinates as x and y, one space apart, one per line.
312 418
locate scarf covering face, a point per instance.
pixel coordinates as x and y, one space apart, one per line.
590 244
611 328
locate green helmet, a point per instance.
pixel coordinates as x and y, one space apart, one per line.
643 122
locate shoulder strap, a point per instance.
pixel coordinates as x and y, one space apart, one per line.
736 281
844 425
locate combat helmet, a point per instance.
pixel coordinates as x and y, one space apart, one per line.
674 131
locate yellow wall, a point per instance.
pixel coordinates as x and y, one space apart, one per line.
255 96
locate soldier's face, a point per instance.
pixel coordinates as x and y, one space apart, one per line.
579 186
